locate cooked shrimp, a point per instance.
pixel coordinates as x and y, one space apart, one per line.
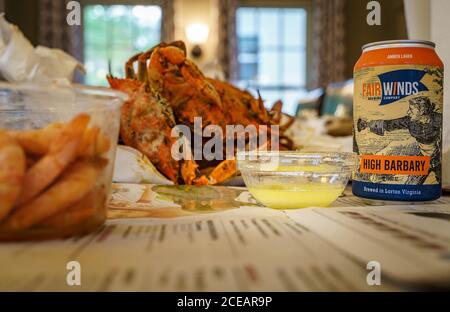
30 161
12 170
38 142
75 183
78 213
103 144
93 143
89 141
63 150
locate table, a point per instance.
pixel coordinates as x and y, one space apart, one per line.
168 238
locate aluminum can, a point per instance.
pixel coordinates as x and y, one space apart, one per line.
397 114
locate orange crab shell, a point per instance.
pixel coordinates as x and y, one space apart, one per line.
146 125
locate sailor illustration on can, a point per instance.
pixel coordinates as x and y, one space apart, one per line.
424 125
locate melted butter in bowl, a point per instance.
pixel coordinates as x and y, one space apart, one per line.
296 196
291 180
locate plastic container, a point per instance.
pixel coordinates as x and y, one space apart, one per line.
290 180
57 150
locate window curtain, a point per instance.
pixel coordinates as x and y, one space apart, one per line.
53 30
328 40
168 20
227 43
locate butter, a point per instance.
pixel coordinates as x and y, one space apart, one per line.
292 196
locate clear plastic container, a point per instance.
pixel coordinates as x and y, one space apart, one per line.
290 180
57 151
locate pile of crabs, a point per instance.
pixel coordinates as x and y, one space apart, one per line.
167 90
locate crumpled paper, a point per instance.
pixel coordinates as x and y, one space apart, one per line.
309 135
131 166
21 62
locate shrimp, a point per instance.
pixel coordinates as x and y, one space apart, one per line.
75 183
12 171
38 142
80 212
62 151
93 143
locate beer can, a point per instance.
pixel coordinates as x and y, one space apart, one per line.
397 114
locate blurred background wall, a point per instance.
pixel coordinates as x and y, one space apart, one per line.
393 26
24 13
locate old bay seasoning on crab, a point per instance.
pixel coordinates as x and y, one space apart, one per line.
398 103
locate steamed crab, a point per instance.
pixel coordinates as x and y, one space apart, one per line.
169 89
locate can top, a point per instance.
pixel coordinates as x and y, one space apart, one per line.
398 44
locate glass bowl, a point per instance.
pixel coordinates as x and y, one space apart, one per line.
290 180
57 151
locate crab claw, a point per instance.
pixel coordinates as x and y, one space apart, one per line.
125 85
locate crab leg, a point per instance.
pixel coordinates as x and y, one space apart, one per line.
142 65
225 170
129 67
276 112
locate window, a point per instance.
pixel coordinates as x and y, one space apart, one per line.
272 53
113 33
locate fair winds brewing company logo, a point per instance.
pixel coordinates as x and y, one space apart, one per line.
394 85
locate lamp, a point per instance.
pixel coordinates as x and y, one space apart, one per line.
197 34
